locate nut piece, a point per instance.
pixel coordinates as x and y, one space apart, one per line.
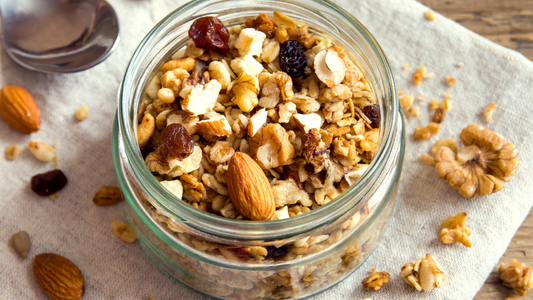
306 122
257 121
487 111
450 81
201 98
271 148
82 113
479 168
21 243
245 88
19 110
423 274
330 67
430 15
517 276
174 186
58 277
217 124
41 151
221 152
454 229
250 42
185 63
107 195
146 129
12 152
424 133
249 188
376 280
123 231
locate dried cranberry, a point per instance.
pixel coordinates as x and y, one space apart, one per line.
177 140
46 184
274 252
147 149
292 59
210 33
372 112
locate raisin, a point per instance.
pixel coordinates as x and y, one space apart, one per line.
210 33
292 59
372 112
46 184
274 252
147 149
178 142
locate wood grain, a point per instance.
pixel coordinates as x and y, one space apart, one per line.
510 24
506 22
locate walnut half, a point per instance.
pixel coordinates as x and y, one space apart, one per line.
479 168
517 276
454 229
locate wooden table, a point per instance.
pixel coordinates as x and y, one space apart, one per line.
510 24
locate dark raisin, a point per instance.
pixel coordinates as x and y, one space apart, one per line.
274 252
292 59
147 149
178 142
372 112
46 184
210 33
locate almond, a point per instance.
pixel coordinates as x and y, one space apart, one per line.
249 189
58 277
19 110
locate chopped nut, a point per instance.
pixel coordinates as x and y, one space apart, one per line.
217 124
419 75
454 230
286 111
245 88
186 64
178 167
314 148
146 129
221 152
440 114
277 87
286 192
429 15
329 67
479 168
424 133
413 111
250 42
270 51
257 121
220 72
487 111
82 113
174 187
107 195
12 152
406 100
433 104
193 187
41 151
376 280
428 160
201 99
446 104
450 81
123 231
185 119
246 63
173 80
423 274
271 147
306 122
517 276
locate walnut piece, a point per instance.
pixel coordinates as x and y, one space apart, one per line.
423 274
193 187
270 147
454 230
517 276
479 168
221 152
376 280
314 148
245 88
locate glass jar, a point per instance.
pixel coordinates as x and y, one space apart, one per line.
235 259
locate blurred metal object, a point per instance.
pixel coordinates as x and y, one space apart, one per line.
58 36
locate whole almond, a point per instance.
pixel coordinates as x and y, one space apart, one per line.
249 189
58 277
19 110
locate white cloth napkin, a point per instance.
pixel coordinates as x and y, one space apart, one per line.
74 227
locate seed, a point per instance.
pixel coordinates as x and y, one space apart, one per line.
21 243
12 151
107 195
41 151
123 231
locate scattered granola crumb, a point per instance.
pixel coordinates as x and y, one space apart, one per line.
433 104
487 111
450 81
446 104
376 280
448 95
424 133
427 159
440 114
517 276
123 231
12 151
406 100
429 75
419 74
454 229
422 98
430 15
405 67
460 64
56 160
413 111
54 196
82 113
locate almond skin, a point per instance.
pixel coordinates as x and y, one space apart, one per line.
19 110
249 189
58 277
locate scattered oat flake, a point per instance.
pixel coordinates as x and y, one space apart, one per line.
460 64
405 67
430 15
446 104
433 104
419 74
487 111
54 196
12 152
450 81
448 95
427 159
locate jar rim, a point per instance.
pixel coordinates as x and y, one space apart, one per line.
255 230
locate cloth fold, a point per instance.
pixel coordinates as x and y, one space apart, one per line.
75 228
